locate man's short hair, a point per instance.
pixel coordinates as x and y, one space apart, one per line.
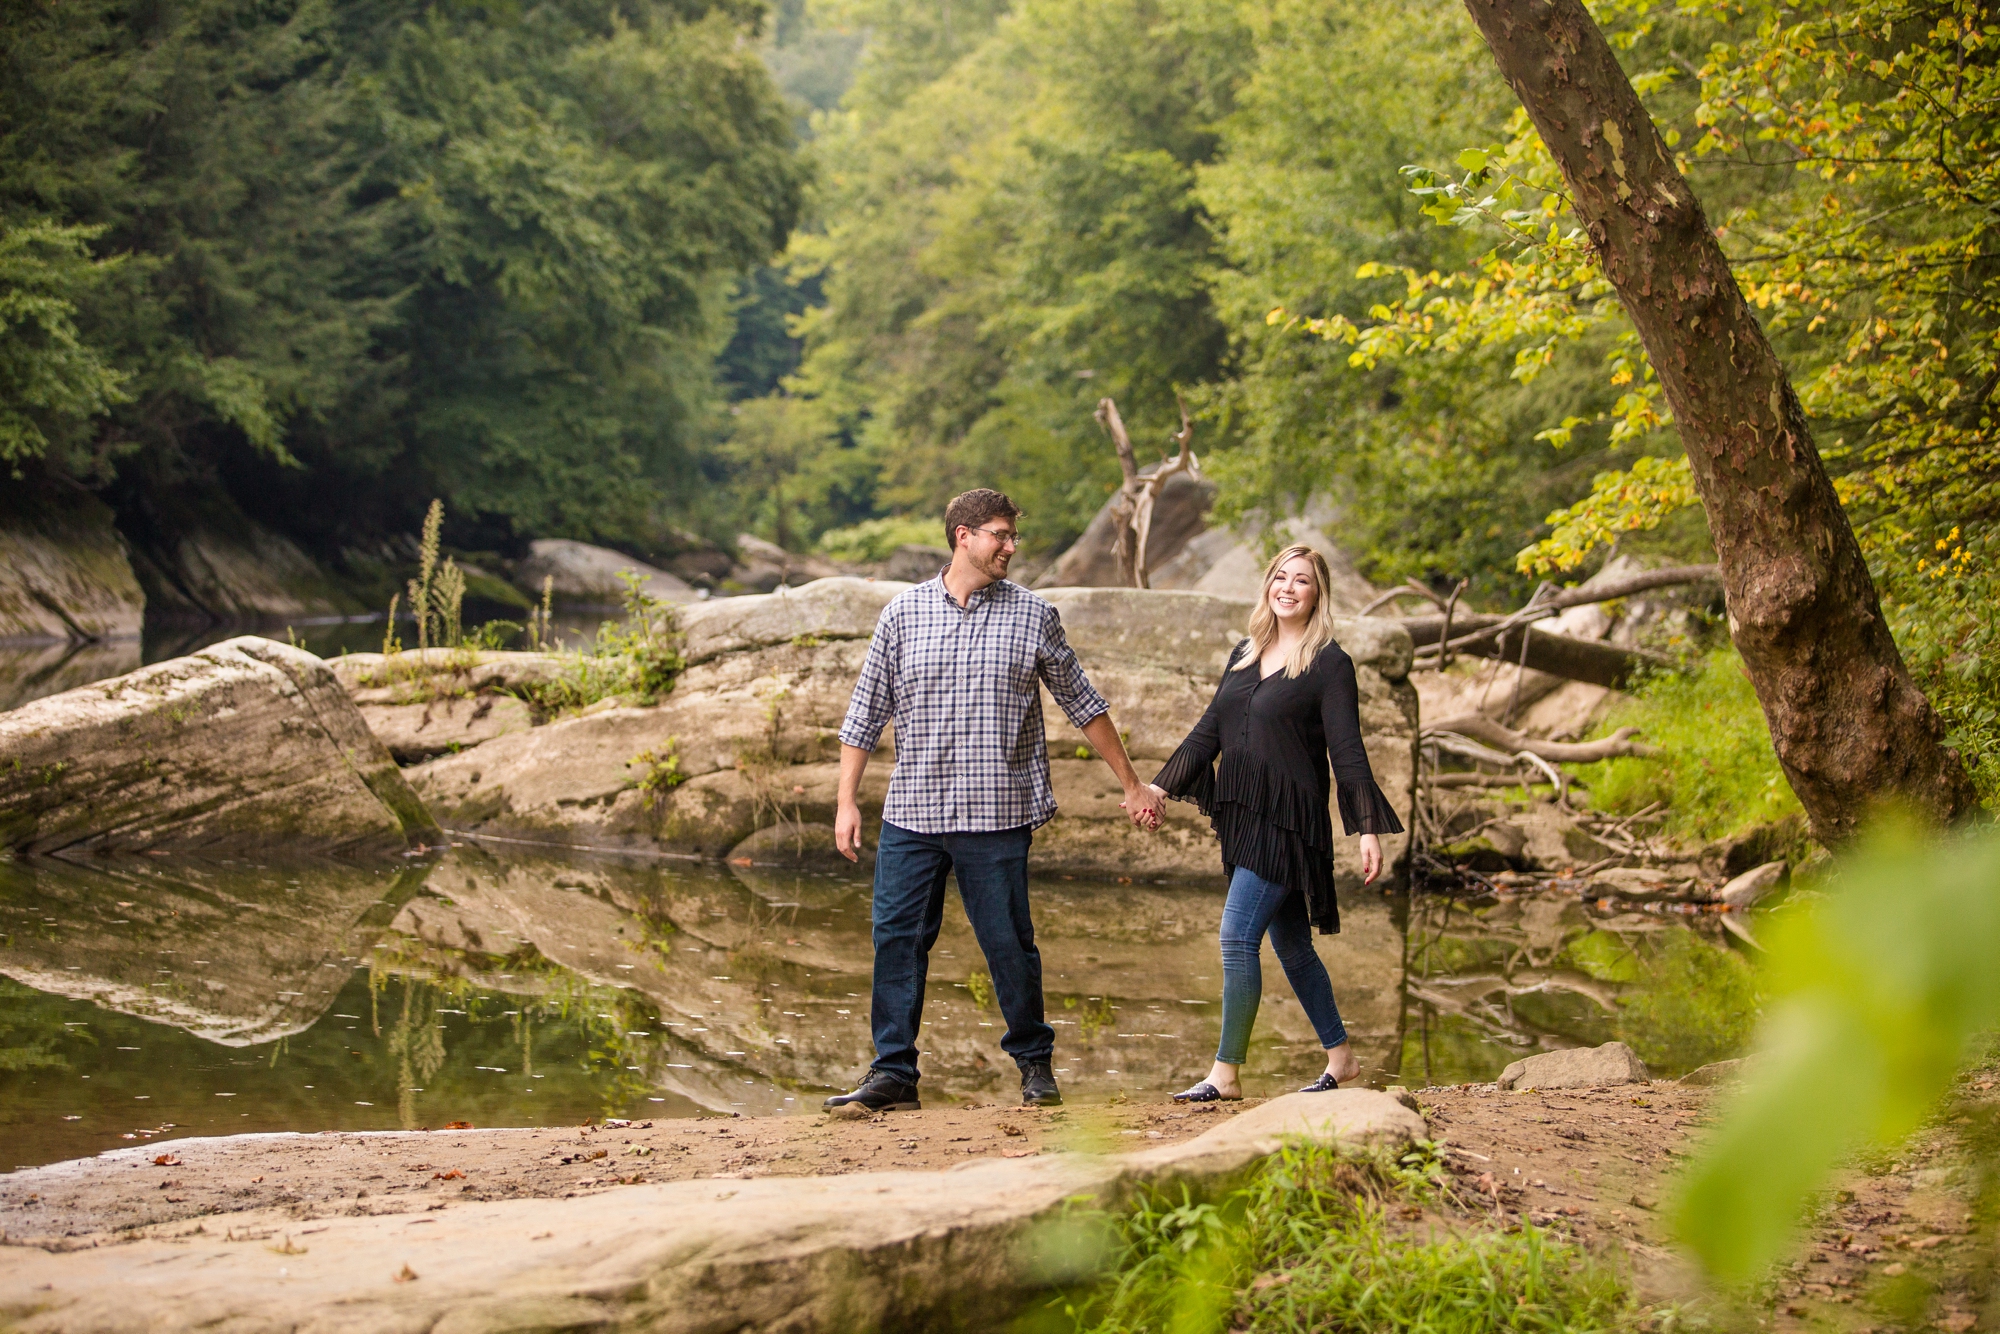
973 509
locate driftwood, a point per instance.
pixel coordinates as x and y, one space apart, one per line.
1478 727
1514 638
1132 507
1539 650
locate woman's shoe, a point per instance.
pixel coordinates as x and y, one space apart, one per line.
1204 1092
1324 1084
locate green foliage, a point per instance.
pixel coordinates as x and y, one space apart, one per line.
1309 1245
659 769
51 381
1695 1002
484 252
1881 991
877 539
1941 607
636 659
1717 774
1011 233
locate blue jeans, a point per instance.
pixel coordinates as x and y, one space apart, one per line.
910 871
1256 905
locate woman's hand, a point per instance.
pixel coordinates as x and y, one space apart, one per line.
1371 858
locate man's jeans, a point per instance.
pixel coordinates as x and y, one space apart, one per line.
910 871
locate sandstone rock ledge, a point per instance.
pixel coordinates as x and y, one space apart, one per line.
246 745
961 1249
752 731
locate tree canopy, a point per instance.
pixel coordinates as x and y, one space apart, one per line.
383 251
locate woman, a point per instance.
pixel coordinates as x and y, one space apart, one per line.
1287 699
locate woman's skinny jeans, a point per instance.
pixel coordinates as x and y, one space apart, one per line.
1256 905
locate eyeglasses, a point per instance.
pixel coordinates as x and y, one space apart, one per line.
1001 536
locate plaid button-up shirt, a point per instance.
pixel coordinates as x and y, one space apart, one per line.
964 687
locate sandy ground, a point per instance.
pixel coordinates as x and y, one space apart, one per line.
1591 1163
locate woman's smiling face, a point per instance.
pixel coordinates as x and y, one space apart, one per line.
1292 591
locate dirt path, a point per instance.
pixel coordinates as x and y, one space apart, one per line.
1591 1163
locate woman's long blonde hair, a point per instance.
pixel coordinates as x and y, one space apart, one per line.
1319 621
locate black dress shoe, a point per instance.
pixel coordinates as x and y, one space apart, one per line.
878 1093
1038 1086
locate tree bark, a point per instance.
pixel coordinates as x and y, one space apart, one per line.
1850 726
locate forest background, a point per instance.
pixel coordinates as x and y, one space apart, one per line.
622 271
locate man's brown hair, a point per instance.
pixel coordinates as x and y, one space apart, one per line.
973 509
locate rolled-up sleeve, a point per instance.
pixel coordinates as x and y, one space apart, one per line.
1063 674
874 700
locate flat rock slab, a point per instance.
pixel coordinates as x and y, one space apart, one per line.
1578 1068
248 743
890 1250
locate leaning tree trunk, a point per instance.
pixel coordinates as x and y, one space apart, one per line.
1850 726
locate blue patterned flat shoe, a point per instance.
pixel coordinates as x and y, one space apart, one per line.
1324 1084
1203 1092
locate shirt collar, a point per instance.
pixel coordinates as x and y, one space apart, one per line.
979 598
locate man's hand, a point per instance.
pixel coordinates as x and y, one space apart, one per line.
1142 803
1371 858
847 802
847 831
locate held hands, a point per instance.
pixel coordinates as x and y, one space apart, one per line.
1142 803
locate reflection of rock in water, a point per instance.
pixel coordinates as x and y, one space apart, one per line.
234 954
761 976
1523 975
31 671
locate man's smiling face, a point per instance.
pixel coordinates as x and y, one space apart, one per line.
990 547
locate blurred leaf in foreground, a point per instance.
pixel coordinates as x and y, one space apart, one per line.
1879 993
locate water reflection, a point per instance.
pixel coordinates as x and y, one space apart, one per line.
510 986
1490 982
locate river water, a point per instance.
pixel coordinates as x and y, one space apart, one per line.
148 998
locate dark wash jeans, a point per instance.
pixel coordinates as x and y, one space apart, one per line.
910 871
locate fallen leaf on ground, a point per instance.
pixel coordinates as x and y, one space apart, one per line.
167 1160
458 1125
408 1275
453 1175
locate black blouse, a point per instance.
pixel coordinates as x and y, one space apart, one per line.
1268 799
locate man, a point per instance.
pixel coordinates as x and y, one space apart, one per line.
959 662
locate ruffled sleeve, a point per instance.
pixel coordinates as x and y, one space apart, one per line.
1365 808
1189 774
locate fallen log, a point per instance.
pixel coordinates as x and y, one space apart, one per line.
1501 636
1494 780
1587 660
1478 727
1426 629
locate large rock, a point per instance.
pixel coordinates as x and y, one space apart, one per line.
1576 1068
968 1248
200 558
1092 560
749 735
592 576
248 744
64 572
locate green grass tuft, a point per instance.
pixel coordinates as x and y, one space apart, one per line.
1321 1240
1717 774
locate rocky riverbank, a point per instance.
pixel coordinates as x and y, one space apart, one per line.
738 760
